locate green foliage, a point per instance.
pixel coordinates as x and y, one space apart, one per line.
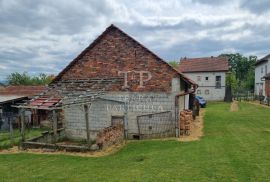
174 64
5 141
235 147
232 81
25 79
242 68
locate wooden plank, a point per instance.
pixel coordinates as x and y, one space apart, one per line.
11 129
86 113
54 125
22 114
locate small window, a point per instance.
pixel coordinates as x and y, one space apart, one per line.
199 78
207 92
206 78
198 91
262 70
218 81
265 69
117 120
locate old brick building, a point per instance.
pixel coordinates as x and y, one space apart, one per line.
121 81
267 85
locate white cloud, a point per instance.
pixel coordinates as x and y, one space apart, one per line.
45 35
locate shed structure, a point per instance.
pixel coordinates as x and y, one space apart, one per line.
12 95
116 80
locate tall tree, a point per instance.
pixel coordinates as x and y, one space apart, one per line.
243 69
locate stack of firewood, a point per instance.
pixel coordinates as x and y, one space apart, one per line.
185 122
110 135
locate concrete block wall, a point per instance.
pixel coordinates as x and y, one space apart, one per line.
102 110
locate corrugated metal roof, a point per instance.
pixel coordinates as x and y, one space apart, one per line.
45 102
10 98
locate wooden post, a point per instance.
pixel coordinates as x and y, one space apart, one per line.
10 129
126 122
54 126
22 113
86 108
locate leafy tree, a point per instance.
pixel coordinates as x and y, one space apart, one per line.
242 68
25 79
174 64
232 81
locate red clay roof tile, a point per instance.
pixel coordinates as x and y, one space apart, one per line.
22 90
206 64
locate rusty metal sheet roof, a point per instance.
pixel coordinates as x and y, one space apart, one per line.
10 98
45 102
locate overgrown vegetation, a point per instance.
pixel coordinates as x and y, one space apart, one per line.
25 79
242 72
6 142
235 147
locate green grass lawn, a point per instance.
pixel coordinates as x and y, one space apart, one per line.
236 147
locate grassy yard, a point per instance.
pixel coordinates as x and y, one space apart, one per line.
236 147
6 142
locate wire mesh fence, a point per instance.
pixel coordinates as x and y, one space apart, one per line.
264 100
156 125
244 96
10 133
250 96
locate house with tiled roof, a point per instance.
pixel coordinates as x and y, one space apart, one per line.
209 73
262 69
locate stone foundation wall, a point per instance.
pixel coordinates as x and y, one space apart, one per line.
48 137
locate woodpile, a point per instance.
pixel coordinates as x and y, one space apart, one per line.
110 136
185 120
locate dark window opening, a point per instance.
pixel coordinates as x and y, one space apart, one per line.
218 81
136 137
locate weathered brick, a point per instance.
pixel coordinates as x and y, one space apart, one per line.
267 88
118 52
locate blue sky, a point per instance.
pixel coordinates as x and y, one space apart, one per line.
44 36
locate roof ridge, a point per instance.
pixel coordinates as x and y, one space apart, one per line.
207 57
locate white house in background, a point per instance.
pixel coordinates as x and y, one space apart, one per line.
209 73
262 67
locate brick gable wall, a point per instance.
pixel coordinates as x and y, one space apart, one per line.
116 52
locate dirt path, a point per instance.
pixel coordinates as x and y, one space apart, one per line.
234 106
196 129
108 151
